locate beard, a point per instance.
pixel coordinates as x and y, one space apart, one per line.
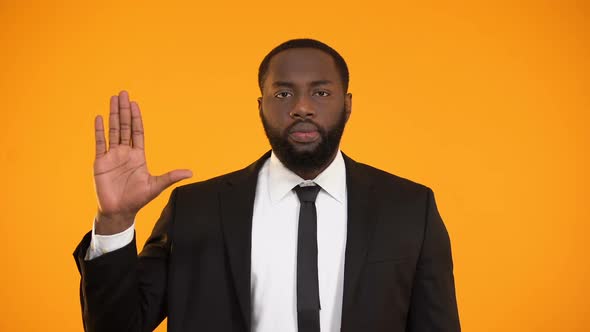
305 161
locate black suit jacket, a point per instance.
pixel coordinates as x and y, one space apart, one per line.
195 266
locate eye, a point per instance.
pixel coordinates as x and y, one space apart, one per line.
322 93
283 94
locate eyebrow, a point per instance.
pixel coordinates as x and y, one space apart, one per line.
290 84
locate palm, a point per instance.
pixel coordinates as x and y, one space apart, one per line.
123 182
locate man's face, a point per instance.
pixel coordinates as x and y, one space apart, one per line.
304 108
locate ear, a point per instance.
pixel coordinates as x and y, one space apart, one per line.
348 105
259 104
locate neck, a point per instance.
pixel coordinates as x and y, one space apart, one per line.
310 174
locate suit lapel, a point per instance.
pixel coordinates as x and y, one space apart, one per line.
360 224
237 204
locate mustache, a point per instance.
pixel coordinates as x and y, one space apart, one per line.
305 125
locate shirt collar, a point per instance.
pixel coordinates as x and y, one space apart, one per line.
281 180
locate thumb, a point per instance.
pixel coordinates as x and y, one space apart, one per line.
166 180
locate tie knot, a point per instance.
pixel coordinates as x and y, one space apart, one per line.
307 194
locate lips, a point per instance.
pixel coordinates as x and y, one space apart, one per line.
304 132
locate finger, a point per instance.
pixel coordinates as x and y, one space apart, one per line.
136 126
114 122
166 180
101 146
125 118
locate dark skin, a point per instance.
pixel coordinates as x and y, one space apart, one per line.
304 83
122 180
300 84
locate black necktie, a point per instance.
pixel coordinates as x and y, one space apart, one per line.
308 292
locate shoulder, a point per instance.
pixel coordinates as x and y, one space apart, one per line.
384 182
246 176
211 184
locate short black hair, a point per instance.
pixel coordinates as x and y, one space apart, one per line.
305 43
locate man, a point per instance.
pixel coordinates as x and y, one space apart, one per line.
304 239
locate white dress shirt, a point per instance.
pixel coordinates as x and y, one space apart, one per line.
273 286
274 246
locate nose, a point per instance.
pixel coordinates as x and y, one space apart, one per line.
303 108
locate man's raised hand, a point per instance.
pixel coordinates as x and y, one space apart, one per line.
122 181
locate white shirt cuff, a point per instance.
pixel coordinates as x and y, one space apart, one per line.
102 244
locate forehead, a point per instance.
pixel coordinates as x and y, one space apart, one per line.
302 65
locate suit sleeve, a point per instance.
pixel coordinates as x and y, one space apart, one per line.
121 291
433 305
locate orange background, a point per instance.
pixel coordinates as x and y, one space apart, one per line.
486 103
